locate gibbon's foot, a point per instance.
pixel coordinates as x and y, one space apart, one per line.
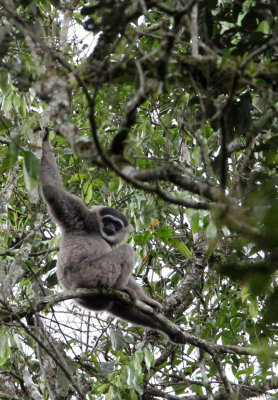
156 305
130 292
152 303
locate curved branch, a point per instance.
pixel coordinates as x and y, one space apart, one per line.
172 175
7 314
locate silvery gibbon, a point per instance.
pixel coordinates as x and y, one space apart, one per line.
91 251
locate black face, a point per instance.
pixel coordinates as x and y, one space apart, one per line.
111 225
115 214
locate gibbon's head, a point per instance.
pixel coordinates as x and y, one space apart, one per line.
114 227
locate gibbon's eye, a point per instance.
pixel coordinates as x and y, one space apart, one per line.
118 225
107 221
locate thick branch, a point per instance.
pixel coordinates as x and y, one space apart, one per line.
184 182
7 316
181 298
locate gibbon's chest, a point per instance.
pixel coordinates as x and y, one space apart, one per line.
74 250
74 247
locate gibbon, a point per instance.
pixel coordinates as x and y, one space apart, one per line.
91 251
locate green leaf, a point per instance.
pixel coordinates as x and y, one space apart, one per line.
117 339
164 233
211 248
7 104
4 83
113 184
149 358
264 27
182 248
22 108
5 123
208 131
102 388
31 170
253 308
106 368
11 156
133 395
77 177
89 194
16 101
226 337
130 375
211 230
5 349
195 222
109 395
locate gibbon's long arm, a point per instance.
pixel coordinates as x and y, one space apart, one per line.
68 211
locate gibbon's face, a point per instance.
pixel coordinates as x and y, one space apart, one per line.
114 226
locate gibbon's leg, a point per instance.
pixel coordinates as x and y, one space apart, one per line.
100 303
130 314
141 295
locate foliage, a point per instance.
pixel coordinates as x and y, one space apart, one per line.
168 111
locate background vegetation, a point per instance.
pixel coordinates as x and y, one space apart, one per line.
166 110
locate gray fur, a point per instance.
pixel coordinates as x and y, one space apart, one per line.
86 258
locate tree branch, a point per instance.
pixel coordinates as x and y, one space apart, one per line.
7 314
